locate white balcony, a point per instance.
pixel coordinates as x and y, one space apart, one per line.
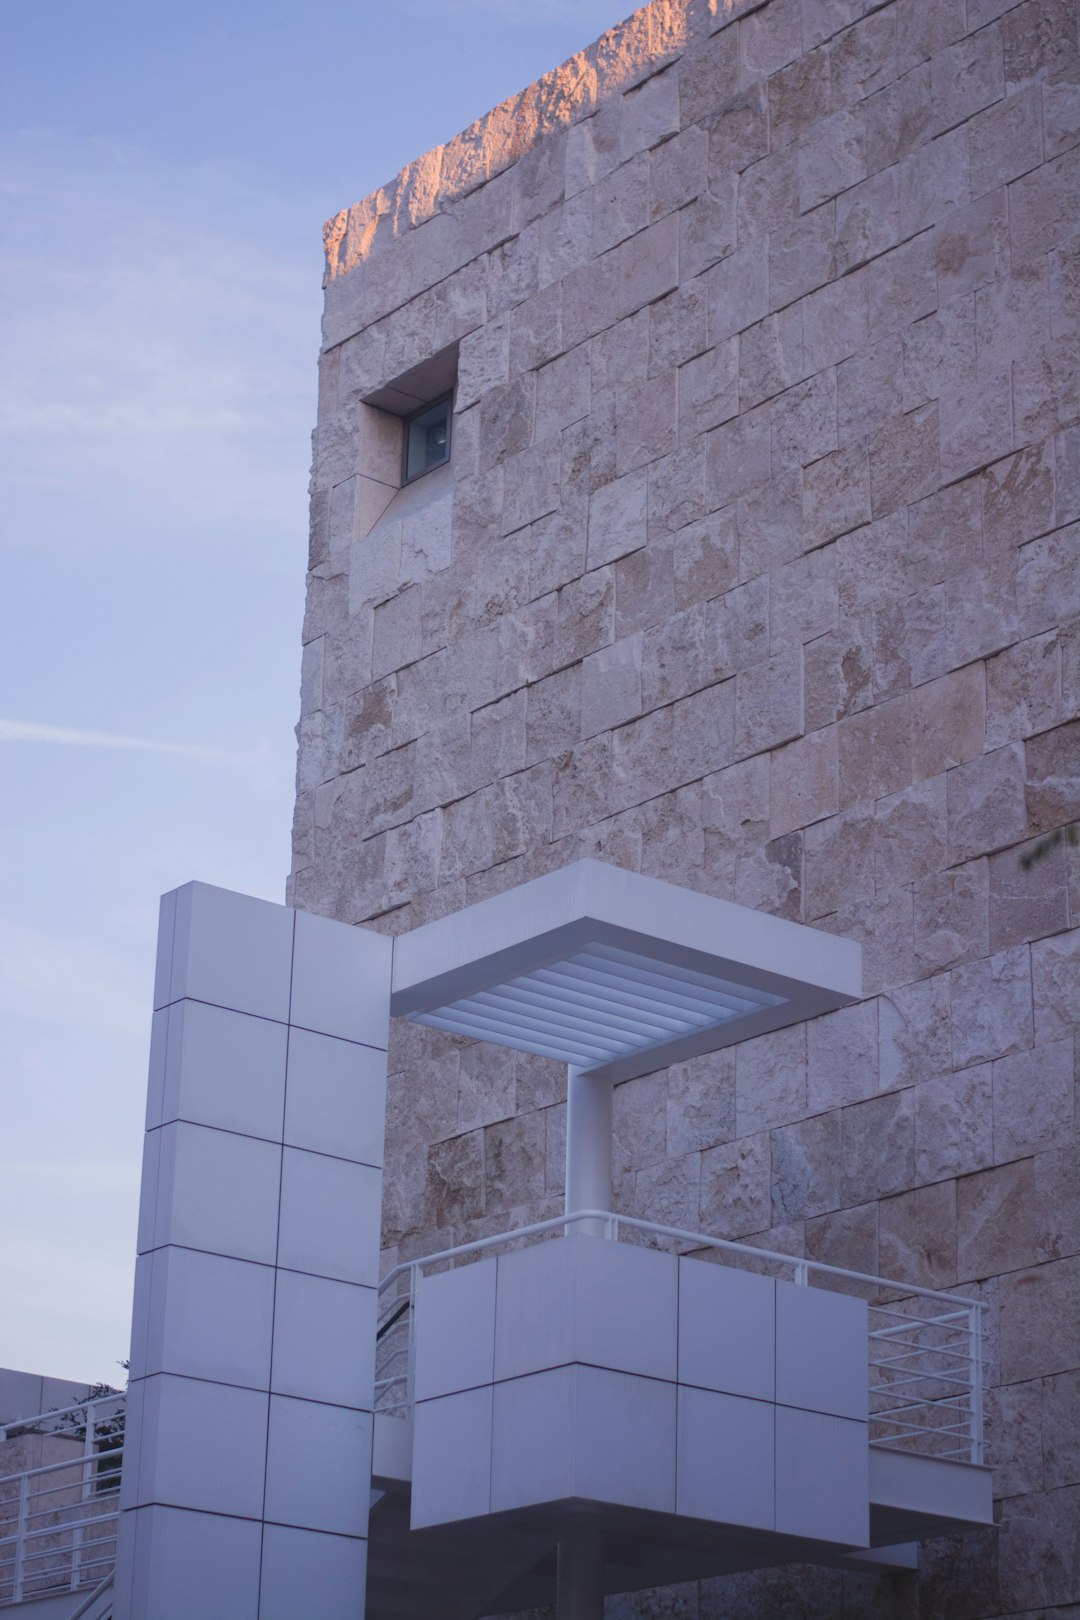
699 1406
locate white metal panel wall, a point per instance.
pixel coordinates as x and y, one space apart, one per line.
248 1469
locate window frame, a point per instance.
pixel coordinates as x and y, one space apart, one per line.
446 399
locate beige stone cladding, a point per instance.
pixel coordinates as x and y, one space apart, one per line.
756 567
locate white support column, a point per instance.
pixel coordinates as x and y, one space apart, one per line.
589 1107
580 1579
247 1468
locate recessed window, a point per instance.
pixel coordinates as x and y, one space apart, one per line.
427 439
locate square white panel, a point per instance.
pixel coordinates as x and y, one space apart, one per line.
215 1191
727 1329
203 1446
625 1440
726 1465
208 1317
188 1564
341 980
451 1476
335 1100
330 1217
532 1444
454 1332
822 1477
586 1299
225 1069
155 1084
822 1351
318 1466
230 949
324 1340
301 1567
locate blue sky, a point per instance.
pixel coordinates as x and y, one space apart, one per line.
165 171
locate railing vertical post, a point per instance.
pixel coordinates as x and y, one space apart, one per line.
86 1468
410 1354
802 1273
20 1535
975 1337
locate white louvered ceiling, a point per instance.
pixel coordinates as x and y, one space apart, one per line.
597 1005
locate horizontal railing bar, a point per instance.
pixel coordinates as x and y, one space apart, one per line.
82 1461
903 1318
926 1378
60 1529
697 1239
924 1406
963 1452
16 1425
922 1428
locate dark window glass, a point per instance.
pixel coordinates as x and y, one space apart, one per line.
427 439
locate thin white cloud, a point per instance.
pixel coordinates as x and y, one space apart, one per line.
160 334
71 737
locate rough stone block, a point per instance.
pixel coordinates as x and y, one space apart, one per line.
802 254
1040 1321
1048 580
867 221
806 1161
646 416
769 521
839 861
992 1007
768 704
832 157
838 672
1055 974
1033 1100
771 878
932 181
738 290
803 421
917 1235
1052 790
1023 690
948 721
1006 140
708 387
954 1124
939 352
700 1103
617 519
904 460
771 356
842 1057
966 77
1027 902
952 916
876 752
910 840
995 1221
913 1031
804 782
734 1188
868 390
986 803
770 1080
739 457
877 1146
902 285
798 95
705 558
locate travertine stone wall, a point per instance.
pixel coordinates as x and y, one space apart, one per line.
757 567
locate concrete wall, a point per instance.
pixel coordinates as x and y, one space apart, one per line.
756 567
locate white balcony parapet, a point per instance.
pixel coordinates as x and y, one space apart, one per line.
924 1374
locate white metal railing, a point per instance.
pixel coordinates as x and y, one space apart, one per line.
924 1353
58 1521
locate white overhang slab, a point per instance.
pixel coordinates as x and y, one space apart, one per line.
617 973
